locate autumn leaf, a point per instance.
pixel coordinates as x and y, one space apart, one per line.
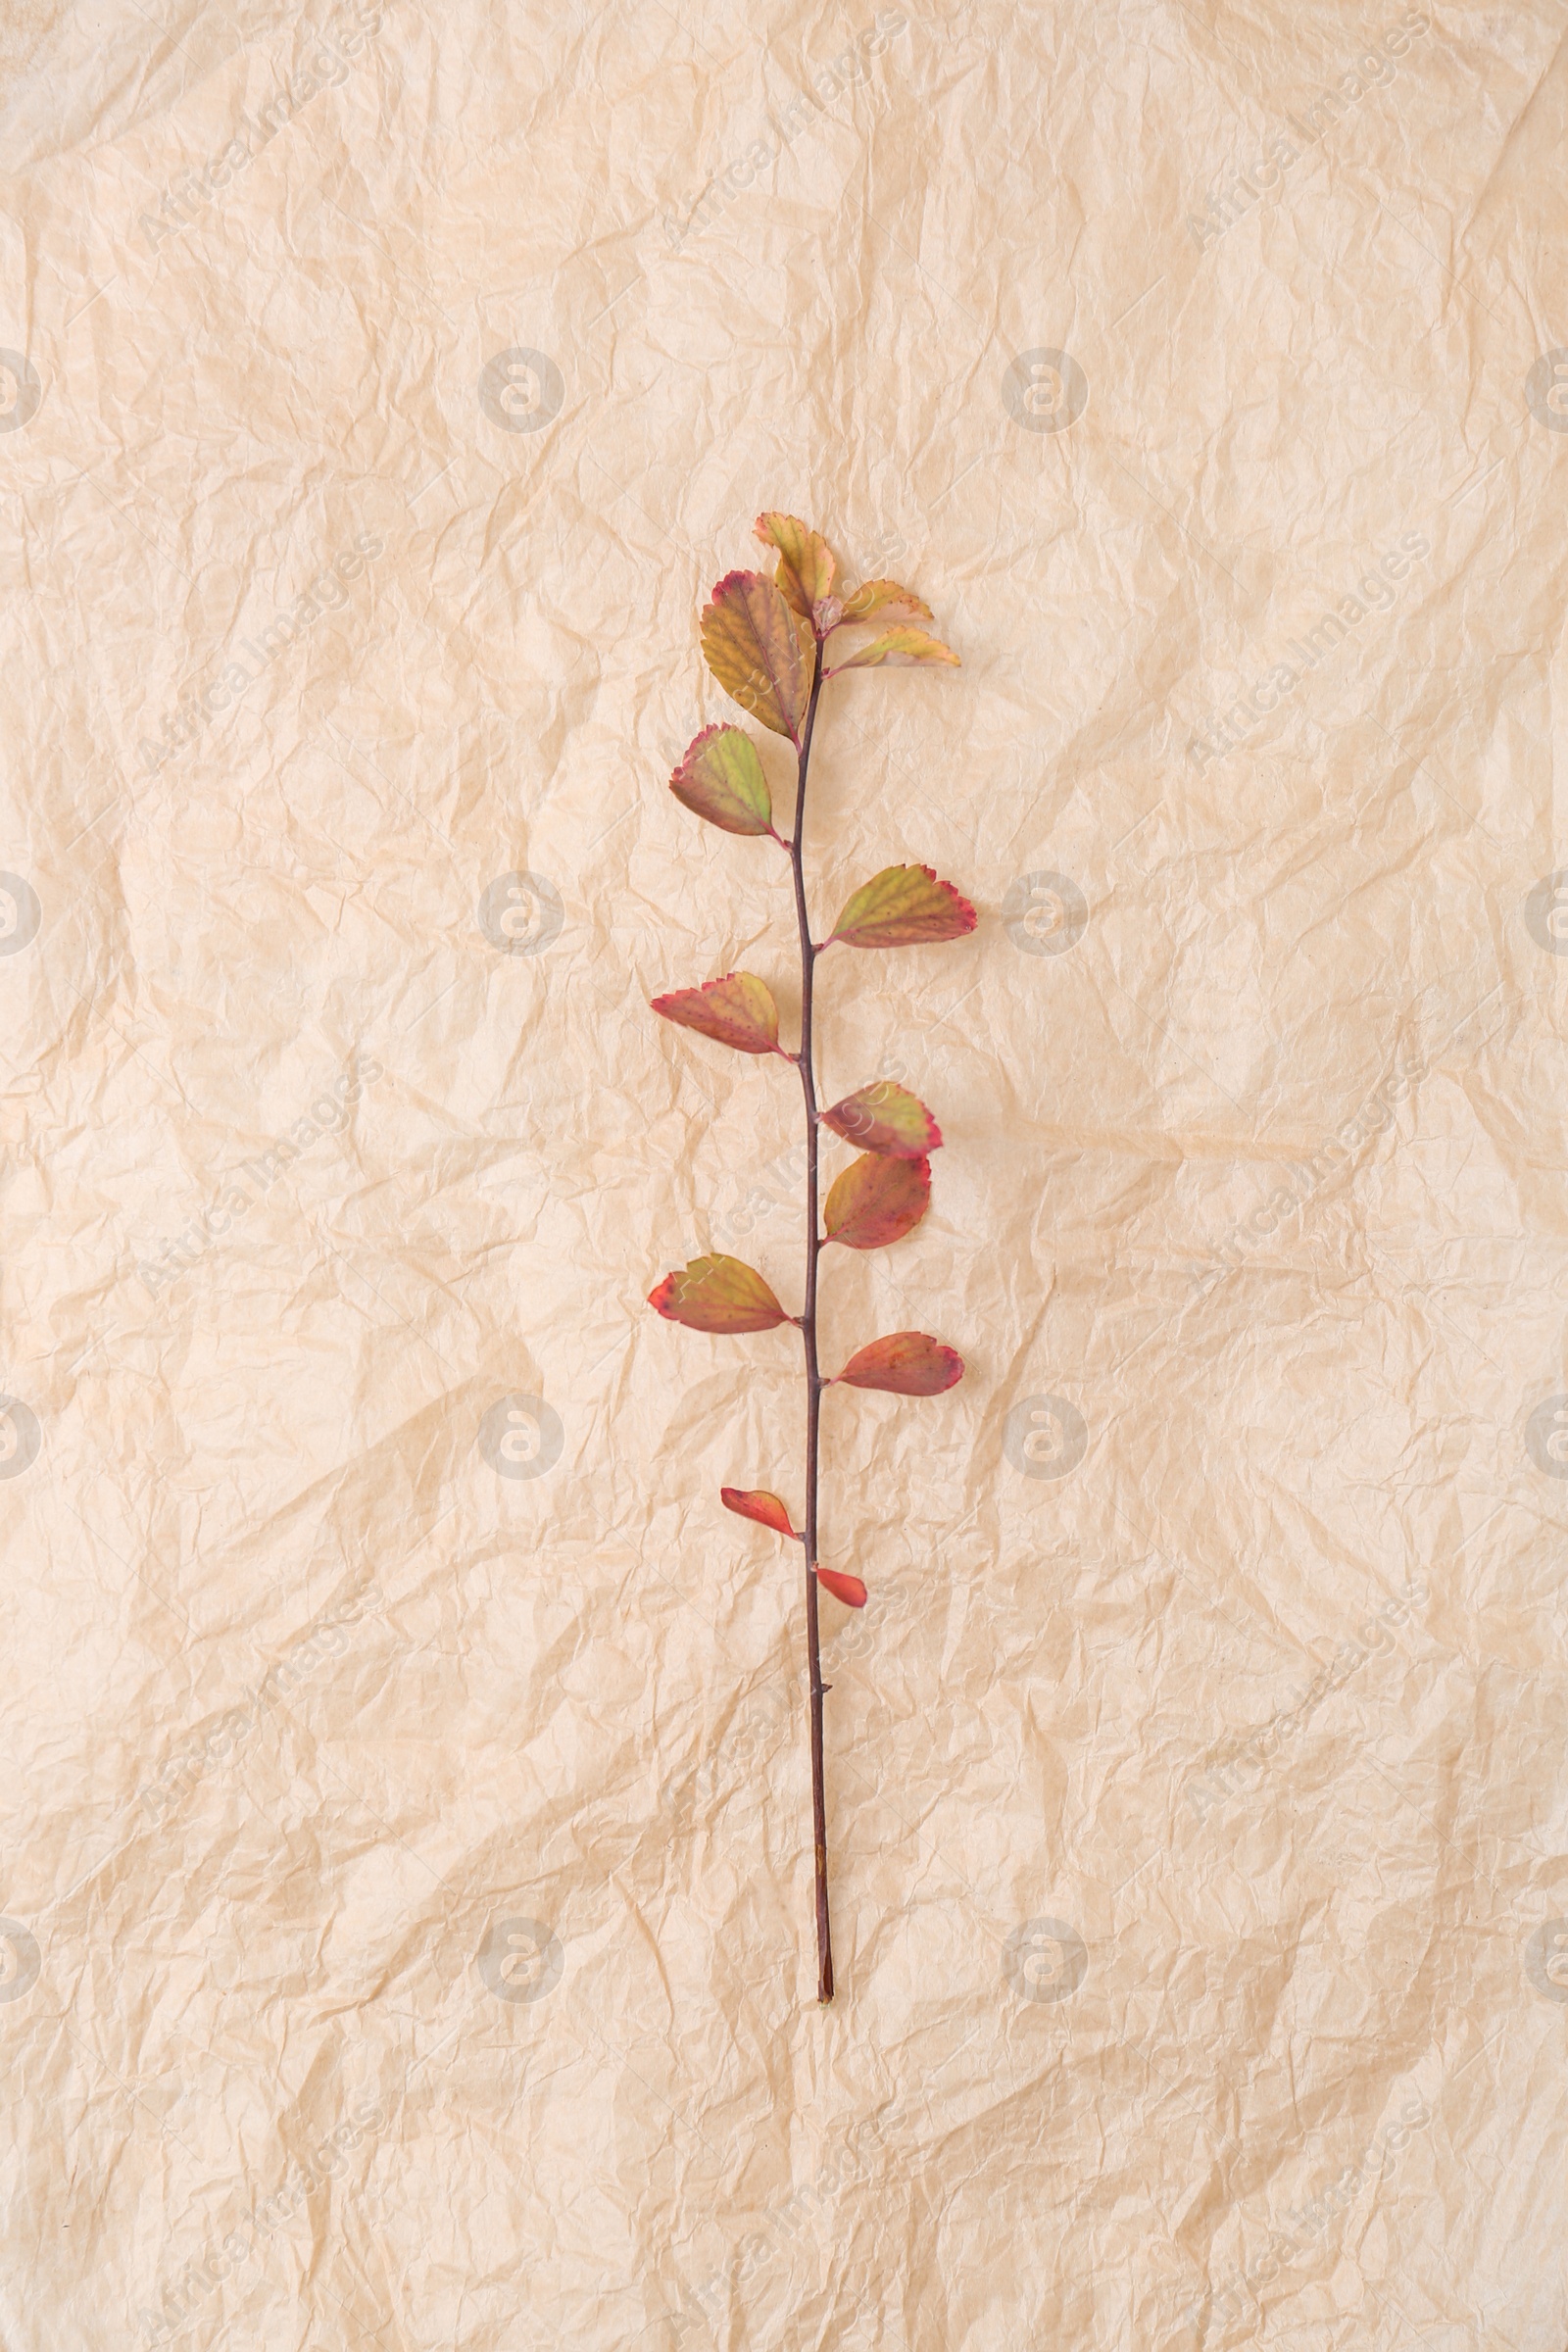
887 1118
721 778
877 1201
718 1294
755 1502
806 568
901 647
848 1588
756 649
738 1010
902 907
884 596
907 1363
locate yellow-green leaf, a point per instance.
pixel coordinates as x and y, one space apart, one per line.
718 1294
900 647
806 568
760 653
904 907
721 778
876 1201
885 596
738 1010
887 1118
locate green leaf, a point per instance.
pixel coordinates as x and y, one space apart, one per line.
756 649
721 778
755 1502
738 1010
885 1117
877 1201
848 1588
901 647
718 1294
904 907
884 596
806 568
907 1363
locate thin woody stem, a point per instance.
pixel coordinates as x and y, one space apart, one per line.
814 1378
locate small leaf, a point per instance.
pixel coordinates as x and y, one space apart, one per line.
755 649
901 647
718 1294
877 1201
721 778
848 1588
806 568
755 1502
907 1363
738 1010
884 596
904 907
887 1118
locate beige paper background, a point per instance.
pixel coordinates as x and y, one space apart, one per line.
1258 1706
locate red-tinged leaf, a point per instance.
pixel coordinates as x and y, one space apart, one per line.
848 1588
738 1010
900 648
755 1502
760 653
806 568
907 1365
887 1118
904 907
885 596
877 1201
721 778
718 1294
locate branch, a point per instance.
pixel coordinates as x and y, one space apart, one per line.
814 1378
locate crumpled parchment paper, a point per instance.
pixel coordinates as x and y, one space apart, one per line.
406 1930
